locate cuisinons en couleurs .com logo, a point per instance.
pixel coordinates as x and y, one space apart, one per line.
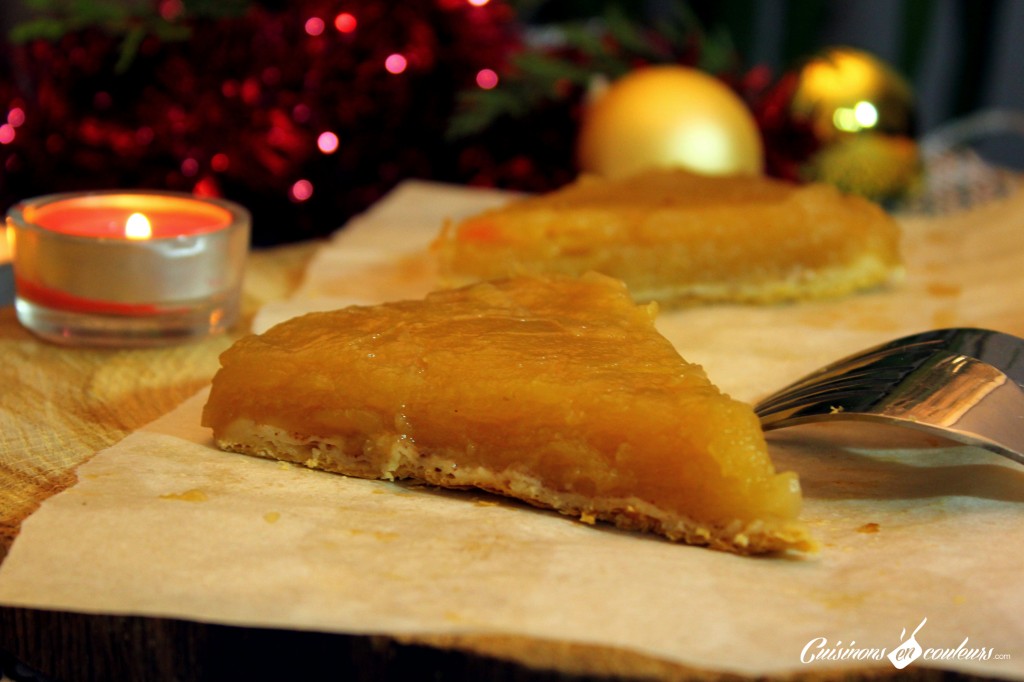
906 652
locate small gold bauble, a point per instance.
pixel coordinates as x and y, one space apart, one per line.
668 115
845 117
843 90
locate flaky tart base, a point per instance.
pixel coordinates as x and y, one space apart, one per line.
402 460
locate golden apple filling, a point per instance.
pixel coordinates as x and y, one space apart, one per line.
555 390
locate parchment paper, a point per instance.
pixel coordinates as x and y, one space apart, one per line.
920 541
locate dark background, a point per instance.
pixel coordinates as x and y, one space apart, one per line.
962 58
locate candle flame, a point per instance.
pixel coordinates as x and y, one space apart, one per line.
138 227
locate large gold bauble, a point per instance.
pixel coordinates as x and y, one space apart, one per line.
664 116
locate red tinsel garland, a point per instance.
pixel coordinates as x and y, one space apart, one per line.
239 109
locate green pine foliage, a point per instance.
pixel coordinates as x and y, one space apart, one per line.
130 20
565 64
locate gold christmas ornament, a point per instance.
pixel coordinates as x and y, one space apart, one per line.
847 118
668 115
872 165
844 91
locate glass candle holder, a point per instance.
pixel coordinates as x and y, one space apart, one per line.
127 269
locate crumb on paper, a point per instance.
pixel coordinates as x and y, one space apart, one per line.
869 528
588 518
192 495
272 516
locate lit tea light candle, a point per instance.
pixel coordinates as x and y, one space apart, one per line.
127 268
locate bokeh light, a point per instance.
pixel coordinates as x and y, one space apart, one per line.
315 26
345 22
861 116
16 116
301 113
220 162
327 142
486 78
866 114
301 190
7 133
206 187
395 63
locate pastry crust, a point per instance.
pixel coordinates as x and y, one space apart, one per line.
397 458
556 391
677 237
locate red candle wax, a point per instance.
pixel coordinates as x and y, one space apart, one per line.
107 215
